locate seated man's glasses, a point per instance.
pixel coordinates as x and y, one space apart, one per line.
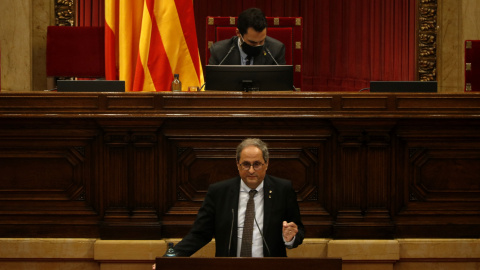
256 166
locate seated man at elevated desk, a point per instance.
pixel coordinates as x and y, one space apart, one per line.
251 45
251 215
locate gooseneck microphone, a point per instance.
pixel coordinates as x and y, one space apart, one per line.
229 52
263 238
269 53
201 90
231 232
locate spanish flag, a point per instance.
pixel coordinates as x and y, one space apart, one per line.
148 41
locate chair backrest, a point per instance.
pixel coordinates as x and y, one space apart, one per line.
472 62
75 51
286 29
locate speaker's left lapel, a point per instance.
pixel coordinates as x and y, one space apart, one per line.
261 59
268 203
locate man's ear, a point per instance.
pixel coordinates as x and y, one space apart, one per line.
237 32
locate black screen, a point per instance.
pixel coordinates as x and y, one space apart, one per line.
90 86
249 78
403 87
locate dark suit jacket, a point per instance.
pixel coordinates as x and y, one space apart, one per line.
220 49
218 218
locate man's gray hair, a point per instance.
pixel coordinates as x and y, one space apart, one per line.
255 142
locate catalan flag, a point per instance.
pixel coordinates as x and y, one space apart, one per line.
148 41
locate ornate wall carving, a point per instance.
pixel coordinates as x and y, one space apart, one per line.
65 12
427 40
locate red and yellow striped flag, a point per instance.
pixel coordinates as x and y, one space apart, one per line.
148 41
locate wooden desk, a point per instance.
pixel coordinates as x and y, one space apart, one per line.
247 263
137 165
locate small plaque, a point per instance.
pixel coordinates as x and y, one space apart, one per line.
276 21
232 20
211 21
468 44
298 45
298 21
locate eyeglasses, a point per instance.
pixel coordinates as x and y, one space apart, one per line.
256 166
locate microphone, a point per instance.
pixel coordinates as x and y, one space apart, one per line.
229 51
201 90
231 232
363 89
263 238
269 53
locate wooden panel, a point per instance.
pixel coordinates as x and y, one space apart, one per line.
439 160
362 179
201 157
131 178
137 166
47 175
251 263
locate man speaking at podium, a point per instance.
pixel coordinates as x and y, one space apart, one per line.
251 45
251 215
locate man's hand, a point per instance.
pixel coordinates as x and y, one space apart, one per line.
289 231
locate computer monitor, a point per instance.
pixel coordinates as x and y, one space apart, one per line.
249 78
403 87
90 86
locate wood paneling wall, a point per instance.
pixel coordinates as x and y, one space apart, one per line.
137 165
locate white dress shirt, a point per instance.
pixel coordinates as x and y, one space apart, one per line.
257 240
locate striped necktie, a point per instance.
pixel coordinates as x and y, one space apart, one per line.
246 248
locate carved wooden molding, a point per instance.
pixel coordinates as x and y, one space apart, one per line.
427 40
65 12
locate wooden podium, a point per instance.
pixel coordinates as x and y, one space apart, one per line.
163 263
